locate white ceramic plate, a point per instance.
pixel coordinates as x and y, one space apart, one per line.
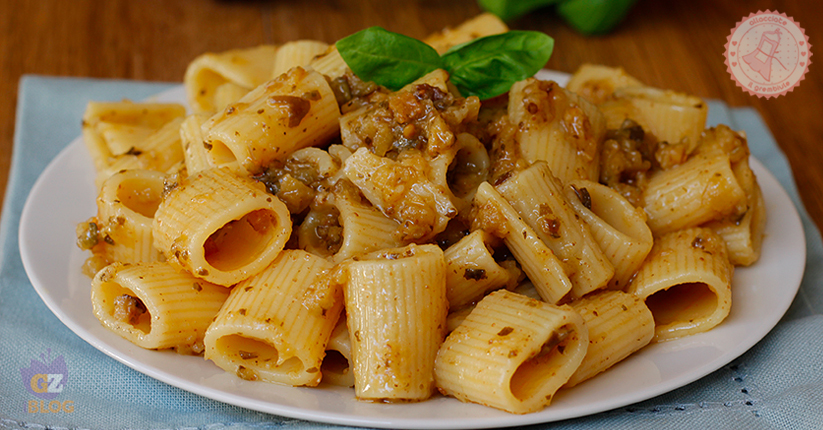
64 196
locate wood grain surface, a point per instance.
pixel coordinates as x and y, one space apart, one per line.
668 44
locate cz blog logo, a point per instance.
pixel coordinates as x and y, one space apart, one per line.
46 379
768 54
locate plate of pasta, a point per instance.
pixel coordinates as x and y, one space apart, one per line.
392 262
762 293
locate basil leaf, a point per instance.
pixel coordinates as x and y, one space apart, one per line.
510 9
488 66
386 58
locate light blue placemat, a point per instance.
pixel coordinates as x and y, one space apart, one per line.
777 384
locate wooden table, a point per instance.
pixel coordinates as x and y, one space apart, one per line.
677 45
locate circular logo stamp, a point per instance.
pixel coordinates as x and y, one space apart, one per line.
768 54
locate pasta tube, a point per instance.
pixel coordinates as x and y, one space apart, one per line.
396 311
542 266
686 283
275 325
742 232
456 317
161 151
125 212
336 366
702 189
194 151
485 24
296 110
618 227
245 68
597 83
538 197
118 128
228 93
471 270
744 237
557 126
155 306
402 192
365 229
329 63
343 226
511 353
461 170
619 324
221 227
668 115
297 53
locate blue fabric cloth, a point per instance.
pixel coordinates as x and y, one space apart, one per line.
777 384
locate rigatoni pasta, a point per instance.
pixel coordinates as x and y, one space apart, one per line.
402 193
125 212
336 367
293 111
342 225
471 270
484 24
538 197
512 353
155 306
702 189
195 153
112 129
275 325
221 227
686 283
618 324
619 228
558 127
496 216
396 311
236 71
743 234
298 53
598 83
301 226
669 116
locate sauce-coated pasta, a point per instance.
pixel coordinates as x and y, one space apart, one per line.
537 237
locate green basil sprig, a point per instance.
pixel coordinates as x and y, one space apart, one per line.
488 66
485 67
387 58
